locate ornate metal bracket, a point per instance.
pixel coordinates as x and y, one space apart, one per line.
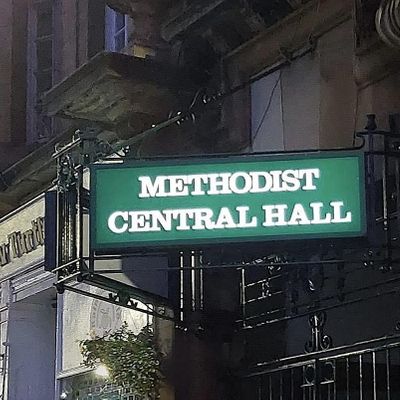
122 298
93 149
314 279
66 173
374 259
318 341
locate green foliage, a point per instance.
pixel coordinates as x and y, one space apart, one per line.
132 359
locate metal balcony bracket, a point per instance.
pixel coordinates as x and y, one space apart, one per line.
122 299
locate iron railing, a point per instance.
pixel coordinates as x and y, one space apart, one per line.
366 370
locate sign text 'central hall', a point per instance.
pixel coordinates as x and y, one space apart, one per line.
226 200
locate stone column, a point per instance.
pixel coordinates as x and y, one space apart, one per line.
13 17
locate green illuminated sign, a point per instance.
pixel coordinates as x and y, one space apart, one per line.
177 202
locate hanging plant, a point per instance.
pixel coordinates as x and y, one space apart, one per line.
132 360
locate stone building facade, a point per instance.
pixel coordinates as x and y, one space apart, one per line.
183 78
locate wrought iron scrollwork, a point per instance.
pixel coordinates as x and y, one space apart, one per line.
93 149
272 262
318 341
374 259
66 173
315 279
123 299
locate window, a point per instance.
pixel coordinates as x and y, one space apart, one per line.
116 30
266 114
286 107
40 68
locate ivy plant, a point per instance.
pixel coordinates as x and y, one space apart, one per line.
133 360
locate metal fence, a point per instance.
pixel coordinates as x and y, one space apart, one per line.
364 371
90 387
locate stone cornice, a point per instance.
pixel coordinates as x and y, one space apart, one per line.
291 34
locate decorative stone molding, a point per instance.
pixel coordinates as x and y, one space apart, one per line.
119 92
147 16
377 63
313 20
388 22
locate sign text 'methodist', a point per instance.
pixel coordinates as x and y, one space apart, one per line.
237 183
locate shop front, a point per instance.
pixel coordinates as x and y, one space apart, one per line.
41 355
28 306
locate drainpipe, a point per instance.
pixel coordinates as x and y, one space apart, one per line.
388 22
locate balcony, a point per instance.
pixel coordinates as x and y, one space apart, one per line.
229 22
120 93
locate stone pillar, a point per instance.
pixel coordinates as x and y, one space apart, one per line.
13 17
32 350
5 69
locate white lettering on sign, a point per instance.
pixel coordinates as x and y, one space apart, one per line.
115 219
221 217
239 218
275 215
229 183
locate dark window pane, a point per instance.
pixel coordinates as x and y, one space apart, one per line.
119 21
44 20
44 81
120 41
44 52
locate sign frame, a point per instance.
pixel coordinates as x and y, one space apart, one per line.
223 159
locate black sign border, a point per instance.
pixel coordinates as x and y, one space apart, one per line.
171 244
